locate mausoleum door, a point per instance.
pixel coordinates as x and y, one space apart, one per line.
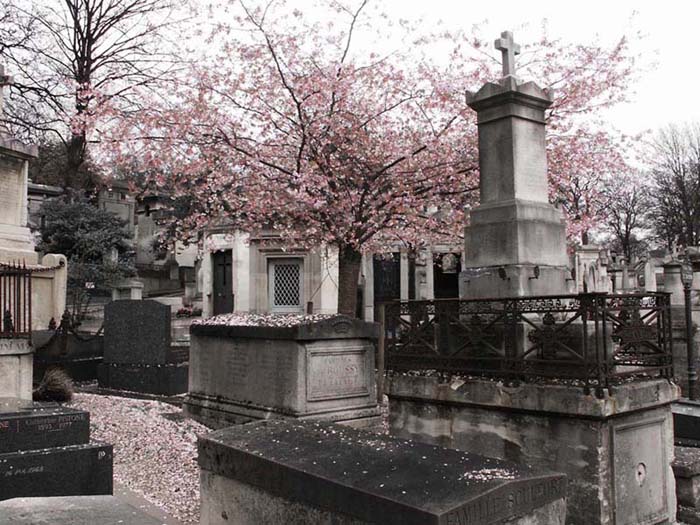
223 285
285 285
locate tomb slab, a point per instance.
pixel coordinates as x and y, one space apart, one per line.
310 472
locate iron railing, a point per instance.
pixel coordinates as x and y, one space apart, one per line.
15 301
595 339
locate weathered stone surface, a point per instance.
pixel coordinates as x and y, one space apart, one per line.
686 469
168 379
304 472
15 368
25 425
616 451
236 376
62 471
72 510
137 332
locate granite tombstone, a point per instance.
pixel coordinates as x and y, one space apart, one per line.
139 355
45 450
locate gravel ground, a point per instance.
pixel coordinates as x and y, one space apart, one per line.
155 450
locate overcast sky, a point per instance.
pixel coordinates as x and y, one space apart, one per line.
664 94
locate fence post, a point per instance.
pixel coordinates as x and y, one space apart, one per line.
380 354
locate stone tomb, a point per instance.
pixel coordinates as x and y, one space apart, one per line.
303 472
45 450
616 450
320 367
138 353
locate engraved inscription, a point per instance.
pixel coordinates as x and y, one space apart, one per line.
337 374
24 471
510 502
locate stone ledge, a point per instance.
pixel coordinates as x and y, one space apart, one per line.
14 148
332 327
528 397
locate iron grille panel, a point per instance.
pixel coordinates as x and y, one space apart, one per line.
287 284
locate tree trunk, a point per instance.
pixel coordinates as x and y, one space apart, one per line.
75 156
349 261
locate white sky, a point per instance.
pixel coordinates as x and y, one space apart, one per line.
665 93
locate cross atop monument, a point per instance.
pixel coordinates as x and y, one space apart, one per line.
508 49
5 80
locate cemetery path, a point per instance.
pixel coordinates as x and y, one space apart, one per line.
155 450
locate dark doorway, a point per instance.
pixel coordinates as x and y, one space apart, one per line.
446 283
223 288
387 278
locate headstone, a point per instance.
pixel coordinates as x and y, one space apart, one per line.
138 351
320 367
137 332
45 450
75 510
515 244
281 472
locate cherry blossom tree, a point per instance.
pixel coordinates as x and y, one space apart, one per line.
285 125
70 57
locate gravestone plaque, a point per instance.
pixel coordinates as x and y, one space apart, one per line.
335 374
351 474
137 332
640 466
62 471
25 425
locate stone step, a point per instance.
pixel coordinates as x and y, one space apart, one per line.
61 471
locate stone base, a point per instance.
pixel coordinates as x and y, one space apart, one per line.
64 471
616 451
217 412
168 379
16 368
515 232
518 281
17 244
288 472
75 510
686 469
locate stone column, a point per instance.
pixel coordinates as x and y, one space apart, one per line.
514 229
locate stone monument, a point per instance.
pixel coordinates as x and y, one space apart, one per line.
515 243
616 446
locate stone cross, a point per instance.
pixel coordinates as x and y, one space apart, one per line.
508 49
5 80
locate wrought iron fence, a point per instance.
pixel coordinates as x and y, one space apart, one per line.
594 338
15 301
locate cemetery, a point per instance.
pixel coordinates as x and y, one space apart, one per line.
344 329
